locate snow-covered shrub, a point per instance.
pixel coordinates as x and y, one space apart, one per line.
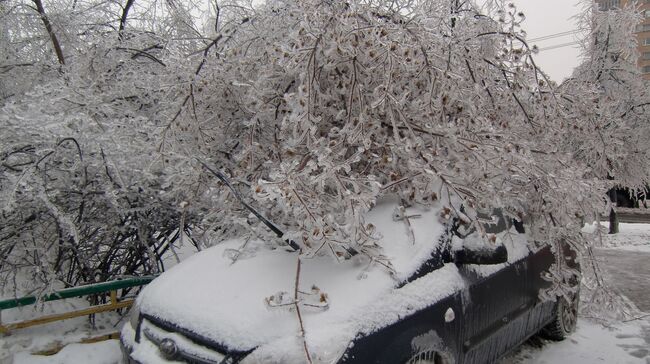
84 195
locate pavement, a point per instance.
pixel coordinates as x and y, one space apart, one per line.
628 273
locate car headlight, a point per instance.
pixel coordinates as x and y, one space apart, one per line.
134 315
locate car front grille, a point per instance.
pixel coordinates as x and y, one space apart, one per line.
175 345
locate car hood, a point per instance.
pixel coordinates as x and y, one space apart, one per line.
225 302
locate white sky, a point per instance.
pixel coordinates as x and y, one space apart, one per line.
546 17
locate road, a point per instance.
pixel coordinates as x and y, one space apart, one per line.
627 272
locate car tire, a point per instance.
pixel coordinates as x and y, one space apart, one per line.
565 318
429 357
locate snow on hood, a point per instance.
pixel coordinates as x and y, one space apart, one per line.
225 302
328 336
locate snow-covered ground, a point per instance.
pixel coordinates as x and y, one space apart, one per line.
105 352
66 334
632 237
17 347
593 342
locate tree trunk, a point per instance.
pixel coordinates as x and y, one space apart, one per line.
613 222
613 216
50 31
125 14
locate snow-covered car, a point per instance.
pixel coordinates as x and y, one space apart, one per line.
443 298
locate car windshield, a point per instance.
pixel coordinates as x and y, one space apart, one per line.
407 237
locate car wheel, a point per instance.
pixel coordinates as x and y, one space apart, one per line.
429 357
565 318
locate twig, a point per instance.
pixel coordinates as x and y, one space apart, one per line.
295 299
304 205
279 233
239 251
400 181
637 318
139 52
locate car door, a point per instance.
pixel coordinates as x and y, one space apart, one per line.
496 304
433 330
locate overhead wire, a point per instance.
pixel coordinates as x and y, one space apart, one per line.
559 46
557 35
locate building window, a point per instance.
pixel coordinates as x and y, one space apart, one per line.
605 5
646 69
646 41
646 55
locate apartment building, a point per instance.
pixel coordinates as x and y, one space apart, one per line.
643 30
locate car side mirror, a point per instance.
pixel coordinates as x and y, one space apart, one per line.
495 255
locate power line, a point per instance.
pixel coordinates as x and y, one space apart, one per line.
556 35
559 46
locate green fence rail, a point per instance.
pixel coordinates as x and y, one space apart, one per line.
77 291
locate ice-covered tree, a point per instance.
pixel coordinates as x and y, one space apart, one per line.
611 99
607 118
313 109
328 106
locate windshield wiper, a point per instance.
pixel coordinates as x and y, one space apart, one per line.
279 233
